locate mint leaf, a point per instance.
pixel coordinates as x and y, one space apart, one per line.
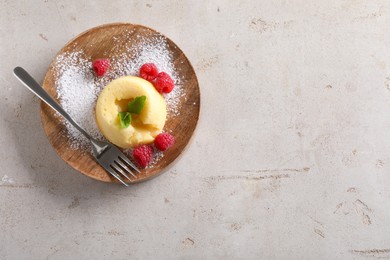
136 105
125 119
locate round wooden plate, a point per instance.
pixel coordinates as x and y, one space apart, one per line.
102 41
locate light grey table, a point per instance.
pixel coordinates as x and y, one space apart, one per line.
291 158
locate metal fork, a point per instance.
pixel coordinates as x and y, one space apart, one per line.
106 154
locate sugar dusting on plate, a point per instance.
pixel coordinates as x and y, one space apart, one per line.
78 88
77 92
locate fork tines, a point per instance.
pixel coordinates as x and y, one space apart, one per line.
124 167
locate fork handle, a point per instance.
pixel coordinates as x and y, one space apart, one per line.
32 85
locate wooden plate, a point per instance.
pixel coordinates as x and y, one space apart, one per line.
96 43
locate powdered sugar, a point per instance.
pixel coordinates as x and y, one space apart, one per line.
156 158
78 87
77 93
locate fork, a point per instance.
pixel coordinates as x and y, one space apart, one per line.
106 154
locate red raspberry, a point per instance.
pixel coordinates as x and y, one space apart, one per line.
148 71
163 141
101 66
143 154
164 83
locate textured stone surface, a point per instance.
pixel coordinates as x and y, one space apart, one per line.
291 158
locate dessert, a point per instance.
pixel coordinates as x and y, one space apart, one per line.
76 79
144 126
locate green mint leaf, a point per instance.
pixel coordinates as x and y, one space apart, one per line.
125 119
136 105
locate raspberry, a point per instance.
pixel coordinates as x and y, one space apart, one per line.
100 66
164 83
143 154
163 141
148 71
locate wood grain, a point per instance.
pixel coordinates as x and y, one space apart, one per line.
96 43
